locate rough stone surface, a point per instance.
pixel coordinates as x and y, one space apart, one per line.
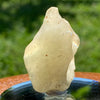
49 58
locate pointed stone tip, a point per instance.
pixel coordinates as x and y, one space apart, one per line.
52 11
52 14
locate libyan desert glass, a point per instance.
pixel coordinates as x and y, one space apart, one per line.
49 58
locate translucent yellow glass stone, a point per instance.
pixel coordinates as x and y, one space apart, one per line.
49 58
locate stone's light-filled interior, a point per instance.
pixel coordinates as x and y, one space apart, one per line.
49 58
